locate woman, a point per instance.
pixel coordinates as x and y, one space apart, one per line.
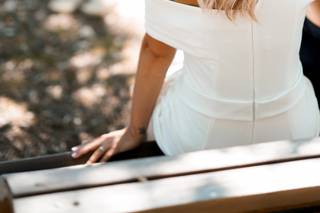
241 81
310 47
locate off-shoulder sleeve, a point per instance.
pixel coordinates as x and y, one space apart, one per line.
177 25
158 23
166 21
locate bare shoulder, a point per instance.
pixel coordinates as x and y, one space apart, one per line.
315 2
314 12
189 2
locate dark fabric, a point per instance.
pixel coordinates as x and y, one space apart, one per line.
147 149
310 54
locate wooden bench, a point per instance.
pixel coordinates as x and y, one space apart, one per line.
278 176
65 159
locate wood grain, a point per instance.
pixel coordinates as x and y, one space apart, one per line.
259 188
78 177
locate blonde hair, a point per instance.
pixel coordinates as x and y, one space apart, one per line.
231 7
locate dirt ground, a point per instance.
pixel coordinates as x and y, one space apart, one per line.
61 79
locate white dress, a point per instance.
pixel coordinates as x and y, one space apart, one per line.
241 82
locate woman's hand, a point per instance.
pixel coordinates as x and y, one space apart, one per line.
108 145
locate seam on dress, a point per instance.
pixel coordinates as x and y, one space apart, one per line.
253 86
208 132
318 131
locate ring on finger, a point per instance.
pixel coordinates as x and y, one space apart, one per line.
102 148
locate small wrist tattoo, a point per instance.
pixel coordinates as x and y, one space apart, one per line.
142 131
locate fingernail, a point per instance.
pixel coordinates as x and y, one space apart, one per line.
74 154
74 148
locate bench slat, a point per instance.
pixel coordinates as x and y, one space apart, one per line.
266 187
81 176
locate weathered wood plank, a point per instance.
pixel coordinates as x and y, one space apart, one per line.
259 188
119 172
269 202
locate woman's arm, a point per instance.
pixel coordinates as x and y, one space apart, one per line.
154 60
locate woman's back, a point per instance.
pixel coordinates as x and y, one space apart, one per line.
241 70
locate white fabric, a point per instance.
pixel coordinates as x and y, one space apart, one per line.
241 82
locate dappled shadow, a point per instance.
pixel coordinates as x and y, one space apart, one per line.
56 84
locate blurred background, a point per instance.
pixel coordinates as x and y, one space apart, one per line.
66 71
